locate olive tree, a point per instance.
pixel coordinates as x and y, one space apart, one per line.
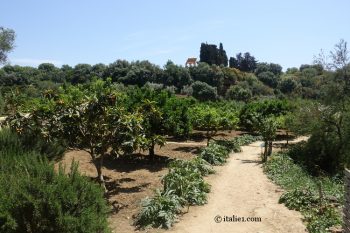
7 39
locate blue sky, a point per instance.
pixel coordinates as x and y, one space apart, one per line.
85 31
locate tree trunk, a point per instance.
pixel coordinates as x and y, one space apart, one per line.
208 138
98 162
100 179
270 149
265 151
151 152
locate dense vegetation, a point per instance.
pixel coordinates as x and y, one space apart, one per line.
34 197
117 109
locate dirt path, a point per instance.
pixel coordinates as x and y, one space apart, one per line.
240 188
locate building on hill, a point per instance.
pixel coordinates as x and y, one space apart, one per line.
192 61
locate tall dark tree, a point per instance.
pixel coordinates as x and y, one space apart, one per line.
209 53
246 63
222 59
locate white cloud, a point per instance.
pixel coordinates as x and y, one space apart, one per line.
33 62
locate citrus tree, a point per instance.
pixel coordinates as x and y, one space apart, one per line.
94 123
211 119
152 126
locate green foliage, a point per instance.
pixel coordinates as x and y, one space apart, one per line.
195 164
246 63
2 104
215 154
254 112
151 126
234 145
209 53
320 222
239 93
94 122
267 127
186 182
203 91
176 117
246 139
268 78
288 85
32 142
303 192
36 198
183 185
160 210
276 69
177 76
299 199
211 119
230 145
7 38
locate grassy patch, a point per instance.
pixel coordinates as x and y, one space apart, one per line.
318 198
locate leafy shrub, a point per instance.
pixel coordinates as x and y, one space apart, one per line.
35 198
297 199
268 78
239 93
255 111
160 210
288 85
215 154
212 118
230 145
246 139
176 116
203 91
186 182
195 164
320 222
302 192
29 142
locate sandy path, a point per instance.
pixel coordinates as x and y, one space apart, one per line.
240 188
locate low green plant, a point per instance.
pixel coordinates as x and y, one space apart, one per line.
246 139
215 154
321 221
159 211
298 199
230 145
195 164
35 198
187 183
315 196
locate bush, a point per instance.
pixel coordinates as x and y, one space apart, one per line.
160 210
187 183
30 142
246 139
34 198
203 91
239 93
297 199
288 85
176 117
268 78
253 112
230 145
215 154
195 164
302 192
